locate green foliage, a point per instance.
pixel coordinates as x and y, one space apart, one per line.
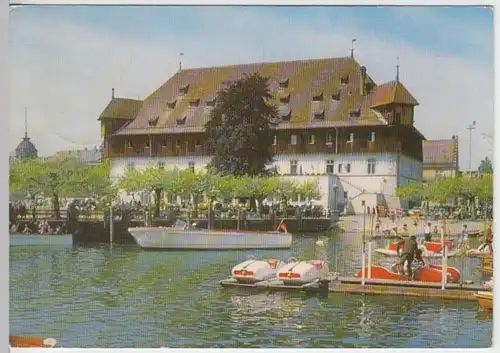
240 128
485 166
444 190
57 177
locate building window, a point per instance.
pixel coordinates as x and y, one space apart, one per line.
345 195
329 167
293 167
197 143
329 139
372 136
293 139
340 168
178 144
371 166
191 146
311 139
348 168
351 137
275 140
191 166
161 165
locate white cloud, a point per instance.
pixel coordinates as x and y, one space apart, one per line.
64 72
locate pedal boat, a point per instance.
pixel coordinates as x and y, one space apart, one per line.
485 300
254 270
430 249
426 273
31 342
301 272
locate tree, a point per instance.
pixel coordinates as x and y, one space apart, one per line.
152 178
485 166
53 177
240 128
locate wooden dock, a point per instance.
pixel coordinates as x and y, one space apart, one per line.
353 285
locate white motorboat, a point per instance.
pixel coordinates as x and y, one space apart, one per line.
253 270
184 236
301 272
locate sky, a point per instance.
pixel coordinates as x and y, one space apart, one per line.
64 60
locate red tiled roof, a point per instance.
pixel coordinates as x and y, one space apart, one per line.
442 153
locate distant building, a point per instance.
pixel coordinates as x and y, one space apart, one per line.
440 158
26 149
90 156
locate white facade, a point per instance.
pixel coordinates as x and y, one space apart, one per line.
372 178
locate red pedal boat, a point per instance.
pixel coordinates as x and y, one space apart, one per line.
31 342
432 246
426 273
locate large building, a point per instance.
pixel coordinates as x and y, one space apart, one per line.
26 149
440 158
337 126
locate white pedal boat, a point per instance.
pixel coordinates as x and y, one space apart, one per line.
254 270
301 272
482 250
426 254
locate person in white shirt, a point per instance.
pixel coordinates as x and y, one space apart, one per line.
427 232
464 236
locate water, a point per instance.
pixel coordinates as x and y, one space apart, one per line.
125 297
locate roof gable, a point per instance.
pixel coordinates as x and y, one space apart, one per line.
390 93
334 82
121 108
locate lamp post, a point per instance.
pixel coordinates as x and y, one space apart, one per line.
363 203
470 128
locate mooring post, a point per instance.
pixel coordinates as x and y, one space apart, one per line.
363 259
443 259
370 259
111 225
238 221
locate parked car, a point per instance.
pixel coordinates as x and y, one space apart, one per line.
415 212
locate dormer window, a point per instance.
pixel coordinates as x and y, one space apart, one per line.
182 121
329 139
184 89
171 104
319 114
336 96
344 80
355 113
283 83
285 98
318 97
194 103
285 113
153 121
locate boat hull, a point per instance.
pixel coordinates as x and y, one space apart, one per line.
432 246
485 300
169 239
302 272
425 254
31 342
429 273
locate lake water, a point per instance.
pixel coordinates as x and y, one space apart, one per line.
125 297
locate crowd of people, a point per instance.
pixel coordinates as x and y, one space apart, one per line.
39 227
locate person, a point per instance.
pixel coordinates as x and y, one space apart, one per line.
427 232
410 249
435 231
488 241
405 228
464 236
377 226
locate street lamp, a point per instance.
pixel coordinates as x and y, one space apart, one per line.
470 128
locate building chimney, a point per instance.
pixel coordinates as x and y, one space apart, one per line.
112 93
362 88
